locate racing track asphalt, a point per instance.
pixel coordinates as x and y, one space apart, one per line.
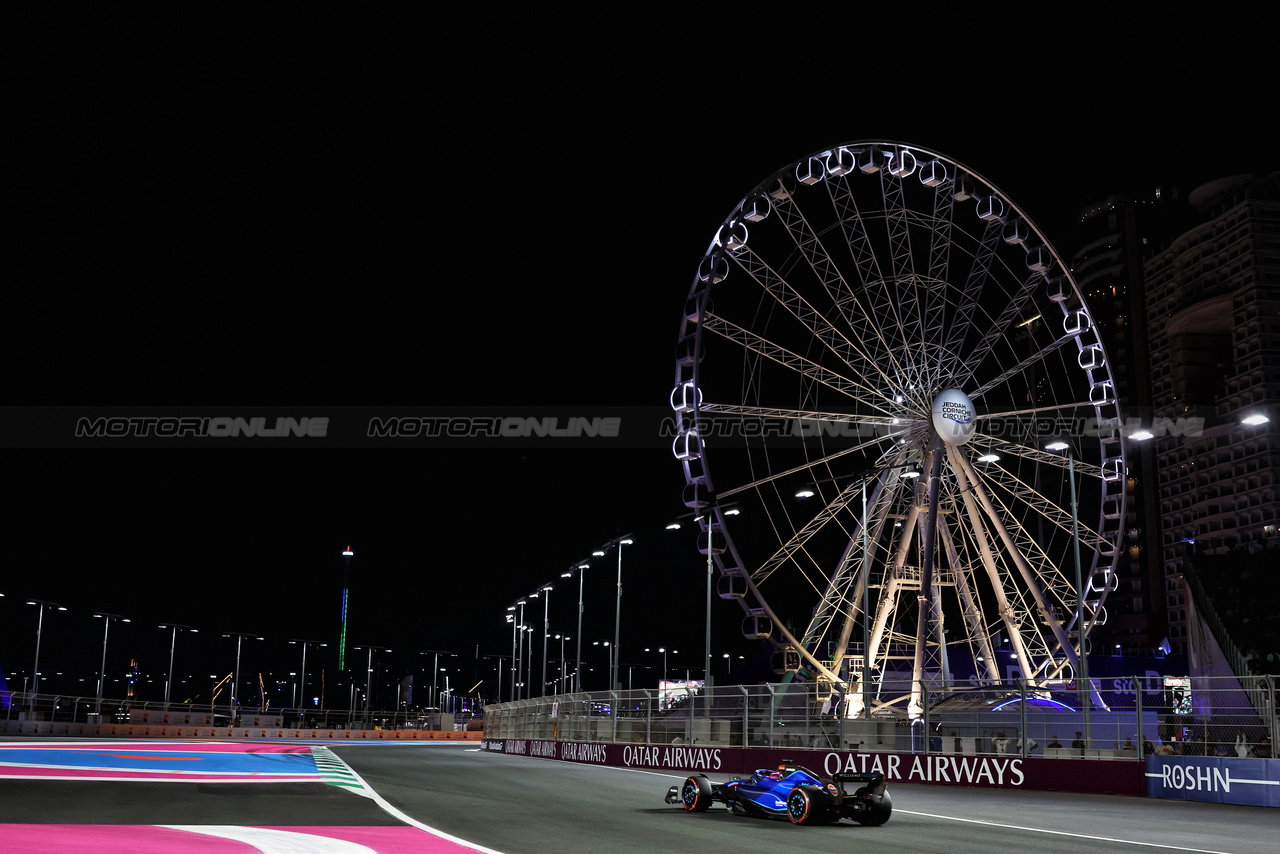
519 805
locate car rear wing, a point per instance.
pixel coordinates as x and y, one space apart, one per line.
874 781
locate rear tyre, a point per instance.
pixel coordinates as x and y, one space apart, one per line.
695 794
881 807
808 805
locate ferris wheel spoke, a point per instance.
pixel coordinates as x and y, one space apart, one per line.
821 328
1011 484
1078 405
971 295
903 266
802 536
801 366
835 286
1008 319
1050 578
940 242
806 466
800 415
761 605
838 599
880 313
937 277
1022 366
835 599
1036 455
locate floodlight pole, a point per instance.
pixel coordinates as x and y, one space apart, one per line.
512 618
617 626
546 628
866 604
707 680
102 673
35 668
173 642
1084 652
577 672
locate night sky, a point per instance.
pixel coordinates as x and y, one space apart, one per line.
451 212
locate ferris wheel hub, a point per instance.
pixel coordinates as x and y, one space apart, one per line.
953 416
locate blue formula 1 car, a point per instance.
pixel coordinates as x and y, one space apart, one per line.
793 792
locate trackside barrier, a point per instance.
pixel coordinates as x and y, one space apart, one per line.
83 730
1218 780
16 707
1012 772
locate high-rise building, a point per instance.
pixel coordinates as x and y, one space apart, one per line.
1110 239
1213 302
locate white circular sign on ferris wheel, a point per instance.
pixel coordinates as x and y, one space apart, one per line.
954 416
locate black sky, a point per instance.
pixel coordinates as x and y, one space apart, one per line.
457 210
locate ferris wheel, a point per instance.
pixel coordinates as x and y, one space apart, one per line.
898 428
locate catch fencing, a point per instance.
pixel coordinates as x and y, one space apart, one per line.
1221 716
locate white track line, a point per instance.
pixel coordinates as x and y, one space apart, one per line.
392 811
1061 832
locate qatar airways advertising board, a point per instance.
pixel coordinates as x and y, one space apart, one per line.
1067 775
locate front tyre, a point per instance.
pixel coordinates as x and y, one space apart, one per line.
808 805
695 794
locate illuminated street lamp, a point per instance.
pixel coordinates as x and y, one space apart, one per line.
102 674
511 618
528 664
519 652
303 678
581 569
664 651
173 642
1085 700
435 670
563 675
909 472
608 651
499 670
617 542
707 515
35 678
368 692
235 685
546 628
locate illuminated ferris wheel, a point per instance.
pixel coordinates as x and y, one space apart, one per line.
888 370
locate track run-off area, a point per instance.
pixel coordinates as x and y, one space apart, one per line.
112 797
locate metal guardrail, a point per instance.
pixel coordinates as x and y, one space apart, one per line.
1217 717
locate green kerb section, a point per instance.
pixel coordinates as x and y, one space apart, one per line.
333 770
